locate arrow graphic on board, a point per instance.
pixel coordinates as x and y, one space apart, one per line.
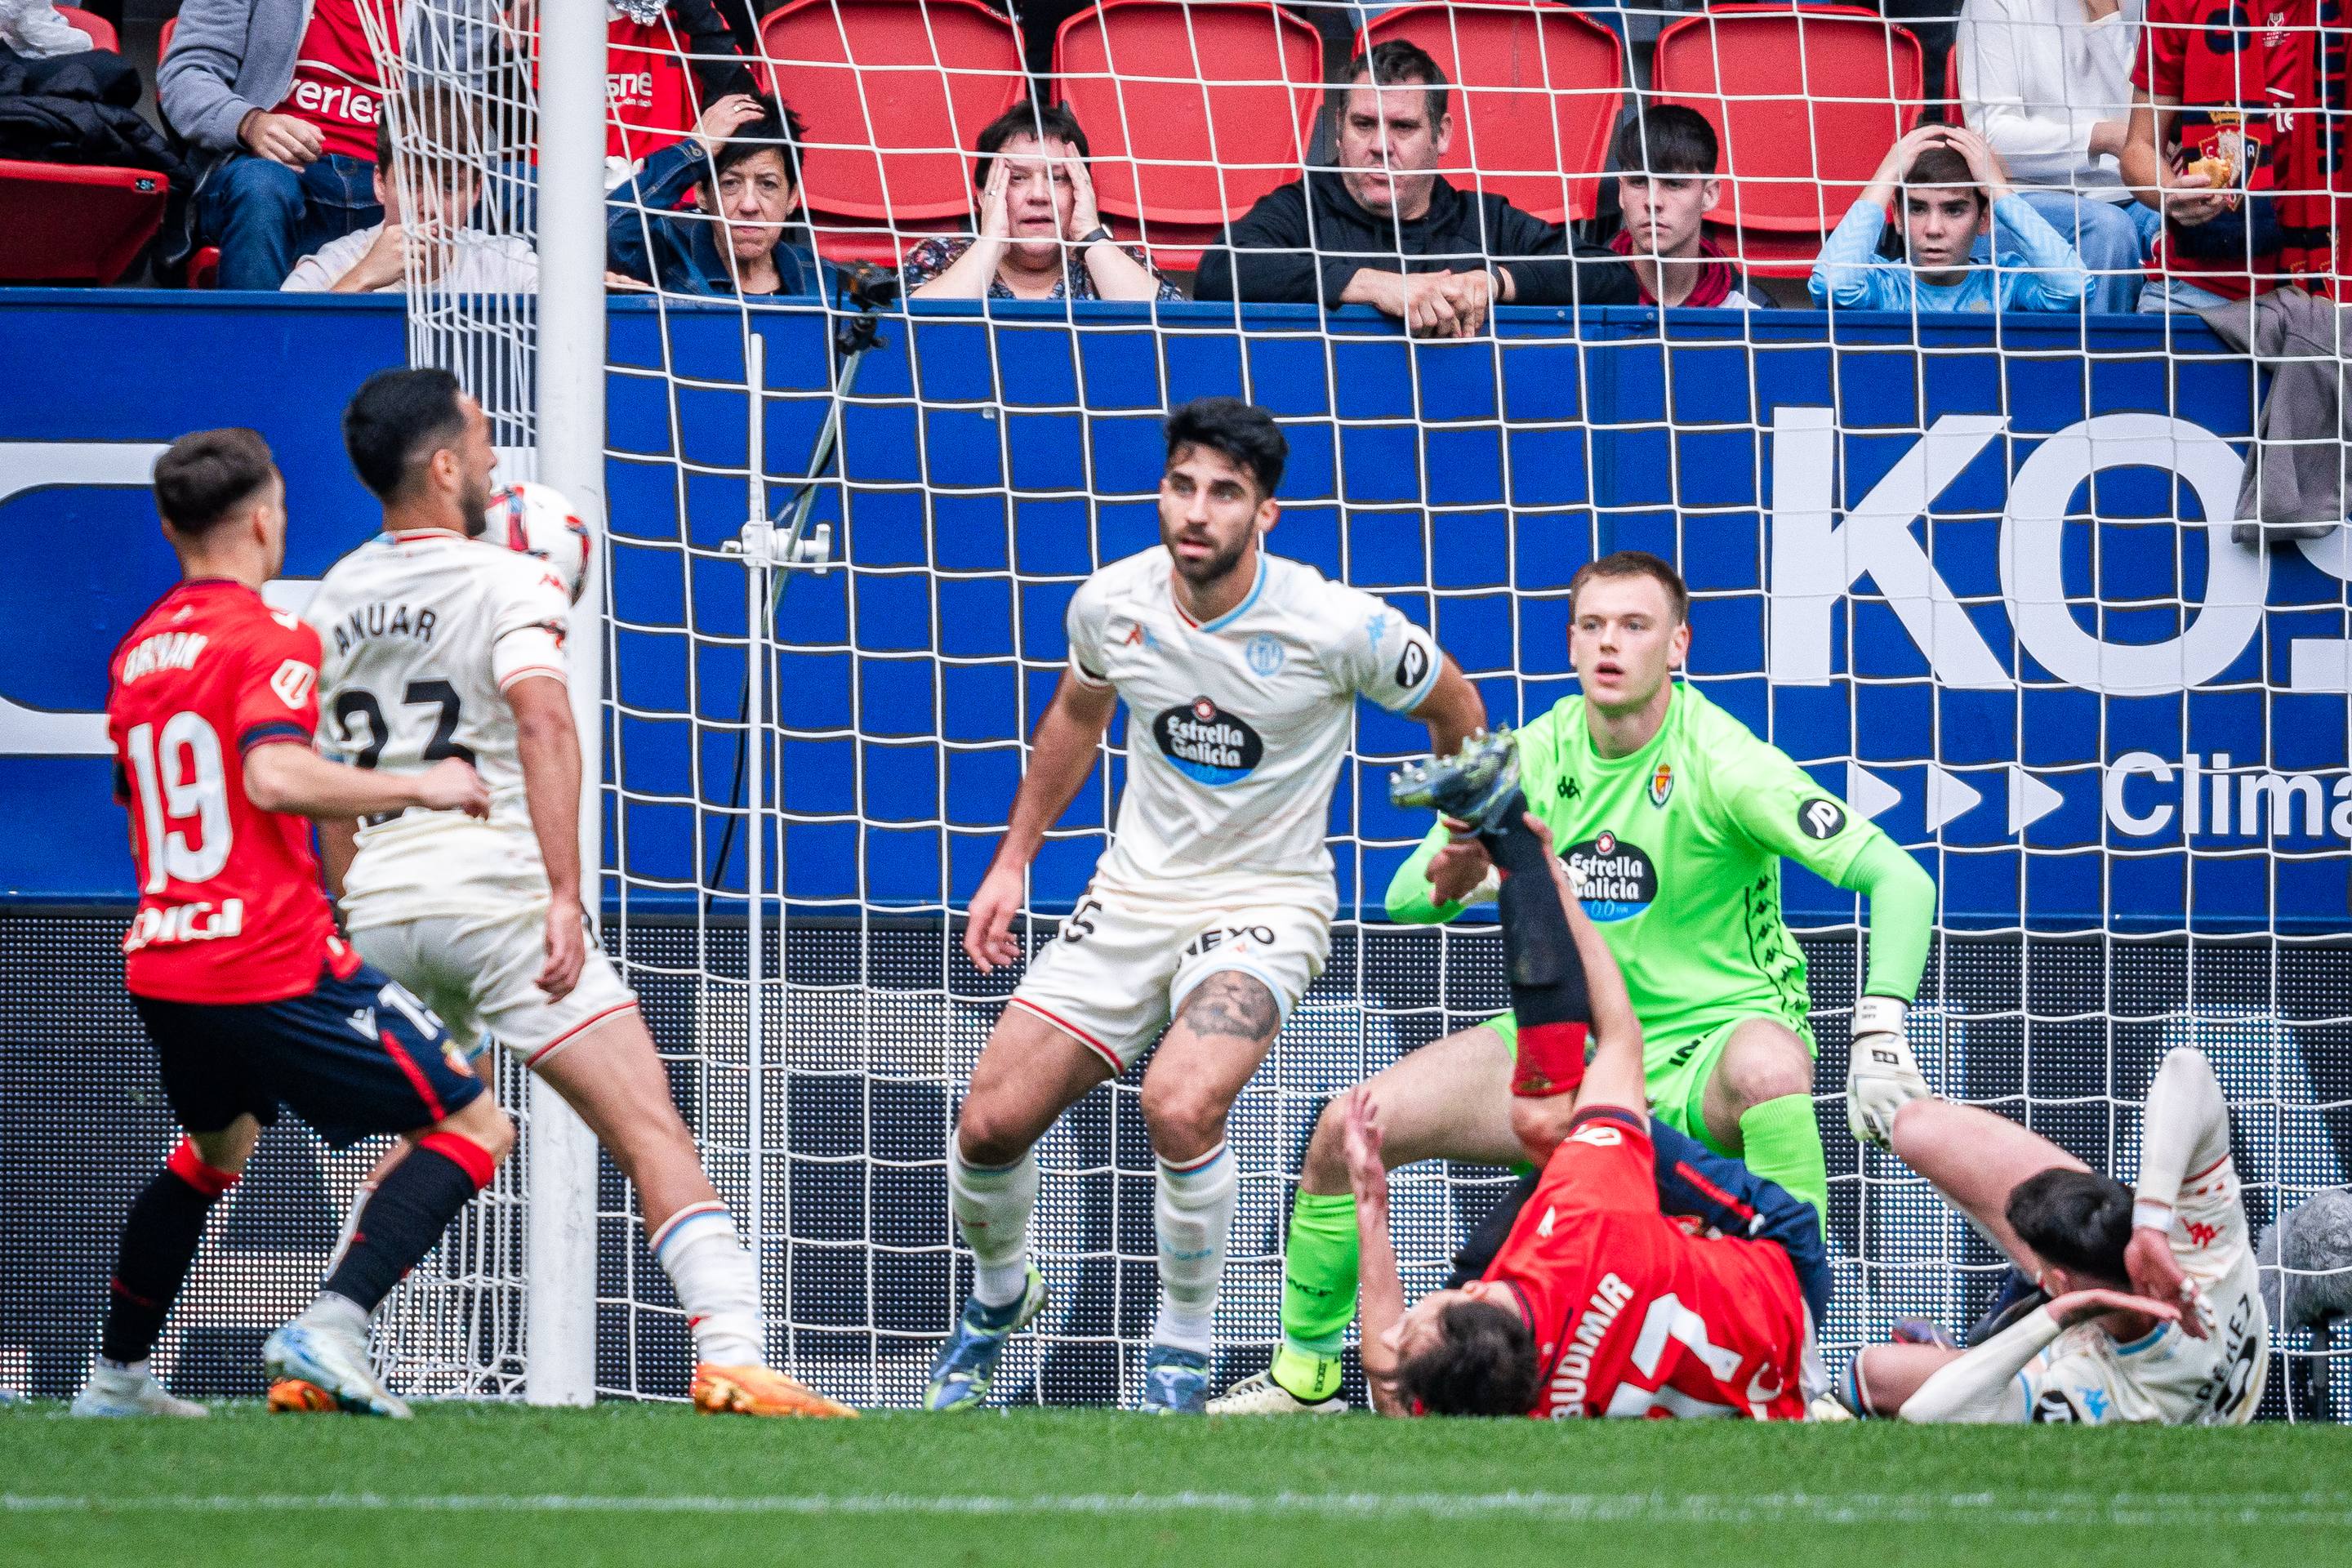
1948 796
2030 800
1867 793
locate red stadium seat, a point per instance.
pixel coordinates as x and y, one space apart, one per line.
1213 106
893 93
1537 91
67 223
1806 101
102 31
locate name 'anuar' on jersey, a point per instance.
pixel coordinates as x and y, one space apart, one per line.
403 684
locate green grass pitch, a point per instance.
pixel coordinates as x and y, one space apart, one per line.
627 1484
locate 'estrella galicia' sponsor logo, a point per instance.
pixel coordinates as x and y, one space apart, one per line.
1264 654
1821 817
1208 745
1413 666
1620 879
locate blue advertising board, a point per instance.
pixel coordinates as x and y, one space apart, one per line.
1976 574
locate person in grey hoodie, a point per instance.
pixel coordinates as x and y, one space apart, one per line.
278 101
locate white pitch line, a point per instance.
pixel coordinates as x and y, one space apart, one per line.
2316 1509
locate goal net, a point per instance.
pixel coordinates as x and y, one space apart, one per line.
1976 574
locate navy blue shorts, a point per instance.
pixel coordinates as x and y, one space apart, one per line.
353 1057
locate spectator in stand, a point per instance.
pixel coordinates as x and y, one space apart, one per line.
744 161
1666 158
1041 237
664 60
2048 86
427 197
279 99
2213 156
1952 190
1386 229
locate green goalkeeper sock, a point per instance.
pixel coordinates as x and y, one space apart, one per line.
1781 1141
1318 1294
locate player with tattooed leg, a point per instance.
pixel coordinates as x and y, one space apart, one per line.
1211 912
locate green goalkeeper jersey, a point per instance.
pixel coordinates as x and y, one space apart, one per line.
1679 847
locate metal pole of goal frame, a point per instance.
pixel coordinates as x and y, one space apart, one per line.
560 1316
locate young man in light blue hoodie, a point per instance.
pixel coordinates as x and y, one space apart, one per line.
1952 188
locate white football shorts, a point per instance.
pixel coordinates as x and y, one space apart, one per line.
1125 962
480 972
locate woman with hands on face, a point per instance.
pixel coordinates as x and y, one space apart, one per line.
743 161
1040 235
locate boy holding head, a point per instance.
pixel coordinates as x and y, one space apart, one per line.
1952 188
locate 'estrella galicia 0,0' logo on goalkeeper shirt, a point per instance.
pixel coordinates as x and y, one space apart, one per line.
1208 745
1620 879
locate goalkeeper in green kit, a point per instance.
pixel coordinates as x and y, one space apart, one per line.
1674 818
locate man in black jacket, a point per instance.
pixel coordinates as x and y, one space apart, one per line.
1386 229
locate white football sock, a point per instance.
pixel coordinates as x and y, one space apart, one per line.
993 1205
717 1282
1194 1211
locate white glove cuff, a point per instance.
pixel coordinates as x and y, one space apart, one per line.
1879 1016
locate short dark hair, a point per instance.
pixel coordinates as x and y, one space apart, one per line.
1485 1364
1632 564
206 475
1666 139
1242 431
778 129
2080 1220
396 417
434 123
1944 166
1390 64
1031 117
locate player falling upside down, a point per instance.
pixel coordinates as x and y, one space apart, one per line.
1598 1303
1677 818
249 999
441 643
1213 903
2154 1310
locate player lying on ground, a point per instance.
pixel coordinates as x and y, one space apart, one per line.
441 643
2154 1311
249 999
1213 903
1676 817
1597 1304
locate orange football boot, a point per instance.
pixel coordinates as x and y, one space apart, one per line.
292 1396
757 1390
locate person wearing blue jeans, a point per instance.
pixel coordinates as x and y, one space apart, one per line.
265 216
2113 240
277 101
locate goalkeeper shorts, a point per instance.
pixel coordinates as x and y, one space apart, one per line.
1676 1067
482 973
1125 960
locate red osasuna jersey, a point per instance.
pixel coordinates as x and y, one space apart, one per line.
1635 1316
230 910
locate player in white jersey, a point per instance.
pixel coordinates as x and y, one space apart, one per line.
1213 904
2155 1313
437 643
